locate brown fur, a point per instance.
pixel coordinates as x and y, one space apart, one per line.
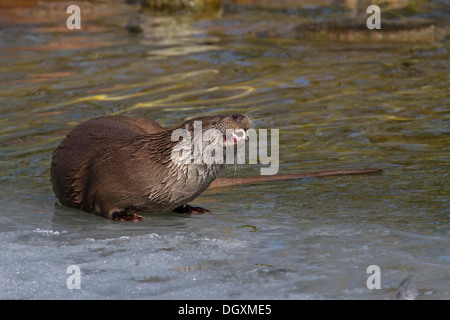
114 165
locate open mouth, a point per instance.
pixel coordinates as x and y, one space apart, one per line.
235 136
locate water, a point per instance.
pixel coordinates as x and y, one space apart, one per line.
347 104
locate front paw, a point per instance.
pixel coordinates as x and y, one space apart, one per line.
123 216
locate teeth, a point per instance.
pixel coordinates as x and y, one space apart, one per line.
236 136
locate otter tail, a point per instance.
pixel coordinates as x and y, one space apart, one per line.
228 182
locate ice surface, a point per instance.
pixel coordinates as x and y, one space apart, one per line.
246 251
149 266
184 265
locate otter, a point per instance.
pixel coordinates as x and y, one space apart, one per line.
115 166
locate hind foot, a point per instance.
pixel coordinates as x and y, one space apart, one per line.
187 209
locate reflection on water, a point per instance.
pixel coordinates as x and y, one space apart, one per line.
338 104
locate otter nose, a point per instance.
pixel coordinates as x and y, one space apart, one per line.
238 117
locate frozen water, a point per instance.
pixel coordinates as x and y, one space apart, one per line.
249 252
203 257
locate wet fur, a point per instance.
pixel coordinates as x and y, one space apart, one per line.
113 166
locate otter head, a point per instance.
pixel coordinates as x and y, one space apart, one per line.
205 139
231 128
